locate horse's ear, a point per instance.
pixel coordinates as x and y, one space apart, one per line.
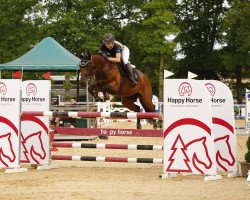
85 56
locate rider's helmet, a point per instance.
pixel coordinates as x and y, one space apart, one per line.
109 38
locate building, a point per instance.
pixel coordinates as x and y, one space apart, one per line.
57 88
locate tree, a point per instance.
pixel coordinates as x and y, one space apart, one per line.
236 53
200 24
156 25
18 31
77 25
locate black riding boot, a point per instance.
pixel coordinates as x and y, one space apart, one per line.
129 71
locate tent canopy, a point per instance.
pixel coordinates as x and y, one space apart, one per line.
48 55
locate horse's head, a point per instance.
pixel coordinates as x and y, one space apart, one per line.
6 148
200 153
224 151
37 149
98 59
86 69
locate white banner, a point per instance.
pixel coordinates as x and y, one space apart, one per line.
35 145
248 111
10 93
188 136
223 125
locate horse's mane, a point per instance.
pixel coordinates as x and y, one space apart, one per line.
101 53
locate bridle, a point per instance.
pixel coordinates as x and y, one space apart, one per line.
91 70
99 63
93 67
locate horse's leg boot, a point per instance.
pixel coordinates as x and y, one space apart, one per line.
129 71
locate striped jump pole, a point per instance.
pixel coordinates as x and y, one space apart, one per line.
120 115
107 146
107 159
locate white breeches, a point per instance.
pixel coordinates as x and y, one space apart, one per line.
125 55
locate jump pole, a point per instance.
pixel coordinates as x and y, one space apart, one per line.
120 115
107 159
107 146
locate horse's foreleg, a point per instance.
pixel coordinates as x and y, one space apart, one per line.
93 90
138 124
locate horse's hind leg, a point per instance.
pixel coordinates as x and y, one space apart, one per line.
146 102
128 102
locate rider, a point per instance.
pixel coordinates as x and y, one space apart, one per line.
117 51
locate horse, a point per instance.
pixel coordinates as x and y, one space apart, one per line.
108 79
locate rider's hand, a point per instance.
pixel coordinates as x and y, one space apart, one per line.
105 56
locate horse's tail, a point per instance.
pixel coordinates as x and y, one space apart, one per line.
146 94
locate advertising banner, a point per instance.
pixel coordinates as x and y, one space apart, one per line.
10 93
223 125
188 135
35 130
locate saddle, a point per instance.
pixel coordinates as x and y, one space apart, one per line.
123 73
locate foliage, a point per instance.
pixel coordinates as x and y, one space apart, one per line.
199 22
248 143
247 155
143 26
67 97
156 25
18 32
235 54
67 85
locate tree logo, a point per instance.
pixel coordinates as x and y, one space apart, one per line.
185 88
31 89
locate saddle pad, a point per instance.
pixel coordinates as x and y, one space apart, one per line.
122 70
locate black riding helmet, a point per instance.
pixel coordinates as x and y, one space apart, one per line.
109 38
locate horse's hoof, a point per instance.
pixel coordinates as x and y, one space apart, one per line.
99 99
139 127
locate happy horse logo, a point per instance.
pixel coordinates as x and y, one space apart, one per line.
7 150
3 88
31 89
188 155
33 150
211 89
185 88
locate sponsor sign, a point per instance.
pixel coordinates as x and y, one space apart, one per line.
10 92
248 111
223 125
188 135
35 130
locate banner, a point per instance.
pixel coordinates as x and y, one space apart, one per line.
10 93
188 135
223 125
35 130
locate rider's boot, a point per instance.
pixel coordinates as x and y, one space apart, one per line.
129 71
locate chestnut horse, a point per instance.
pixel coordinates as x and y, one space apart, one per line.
108 79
